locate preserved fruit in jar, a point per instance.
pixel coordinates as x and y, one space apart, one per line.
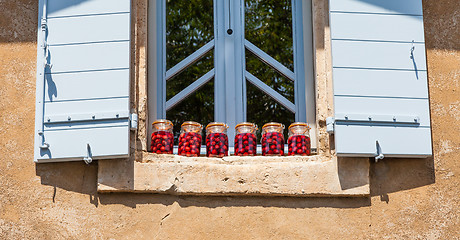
190 139
245 139
162 137
273 139
299 139
216 140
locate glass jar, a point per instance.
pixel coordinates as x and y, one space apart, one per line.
245 139
299 139
162 137
273 139
190 139
216 140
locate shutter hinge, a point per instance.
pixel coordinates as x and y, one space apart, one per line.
44 24
330 125
133 119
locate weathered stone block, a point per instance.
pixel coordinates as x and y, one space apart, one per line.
274 176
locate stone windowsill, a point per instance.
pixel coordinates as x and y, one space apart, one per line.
271 176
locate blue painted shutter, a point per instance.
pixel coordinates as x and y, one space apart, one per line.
380 78
83 72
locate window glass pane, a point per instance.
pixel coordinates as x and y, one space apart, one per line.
263 109
270 76
198 107
189 75
189 26
268 25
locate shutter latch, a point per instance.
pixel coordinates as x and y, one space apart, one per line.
133 119
88 159
412 50
44 144
379 155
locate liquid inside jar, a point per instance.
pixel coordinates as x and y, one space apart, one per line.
162 142
273 144
245 144
299 145
189 144
216 145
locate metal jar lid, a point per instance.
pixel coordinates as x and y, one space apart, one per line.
299 124
246 124
164 121
217 124
273 124
191 123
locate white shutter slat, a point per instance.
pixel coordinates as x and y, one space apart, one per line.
360 141
408 7
380 79
87 85
60 8
377 55
69 145
92 28
89 57
83 98
377 27
374 82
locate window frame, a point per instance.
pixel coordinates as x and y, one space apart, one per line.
228 111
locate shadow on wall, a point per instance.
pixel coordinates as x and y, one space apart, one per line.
82 178
71 176
386 176
393 175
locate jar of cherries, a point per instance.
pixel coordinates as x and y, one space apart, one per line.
273 139
162 137
190 139
216 140
299 139
245 139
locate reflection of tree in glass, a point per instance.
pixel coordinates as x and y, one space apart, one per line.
189 26
269 27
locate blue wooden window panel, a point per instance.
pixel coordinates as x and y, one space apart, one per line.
380 79
82 87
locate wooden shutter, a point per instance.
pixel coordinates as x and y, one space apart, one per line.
380 78
83 72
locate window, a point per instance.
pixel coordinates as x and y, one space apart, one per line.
85 108
232 61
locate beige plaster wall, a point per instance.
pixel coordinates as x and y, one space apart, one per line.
410 198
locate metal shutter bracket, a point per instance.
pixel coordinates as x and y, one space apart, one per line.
82 117
134 118
342 118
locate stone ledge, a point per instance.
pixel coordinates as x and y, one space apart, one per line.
270 176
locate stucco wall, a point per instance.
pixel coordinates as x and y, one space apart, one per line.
410 198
